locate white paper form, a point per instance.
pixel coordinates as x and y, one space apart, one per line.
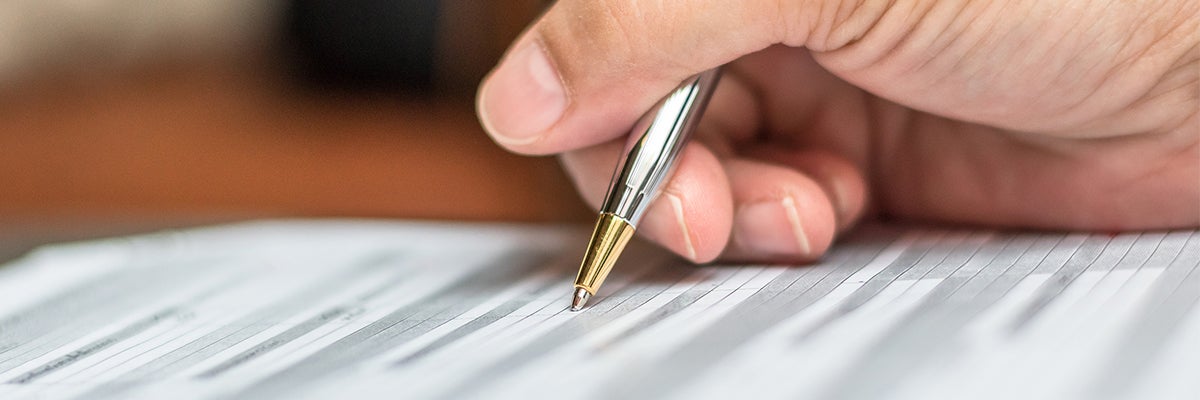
370 309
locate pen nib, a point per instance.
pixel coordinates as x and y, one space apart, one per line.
580 299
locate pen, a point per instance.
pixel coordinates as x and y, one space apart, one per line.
649 160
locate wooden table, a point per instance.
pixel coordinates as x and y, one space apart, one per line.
225 139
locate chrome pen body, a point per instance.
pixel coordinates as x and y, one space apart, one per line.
649 157
648 162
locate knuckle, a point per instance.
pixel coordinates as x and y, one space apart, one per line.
831 25
580 34
599 40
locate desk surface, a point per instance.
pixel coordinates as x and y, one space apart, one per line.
218 139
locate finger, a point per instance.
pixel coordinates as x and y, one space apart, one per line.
732 116
841 180
818 110
585 71
691 216
780 215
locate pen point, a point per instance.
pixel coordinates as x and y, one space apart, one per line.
580 299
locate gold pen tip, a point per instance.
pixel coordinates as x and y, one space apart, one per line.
609 238
580 299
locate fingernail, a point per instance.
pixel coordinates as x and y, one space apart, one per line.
841 209
522 98
665 219
771 228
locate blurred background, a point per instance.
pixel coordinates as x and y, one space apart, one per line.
146 113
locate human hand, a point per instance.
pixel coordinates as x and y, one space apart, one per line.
1047 114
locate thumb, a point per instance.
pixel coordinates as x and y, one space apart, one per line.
587 69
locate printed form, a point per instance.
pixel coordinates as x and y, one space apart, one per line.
344 309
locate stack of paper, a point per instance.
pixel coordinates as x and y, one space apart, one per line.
336 309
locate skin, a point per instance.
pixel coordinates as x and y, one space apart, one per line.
1071 114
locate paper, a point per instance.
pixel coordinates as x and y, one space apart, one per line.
346 309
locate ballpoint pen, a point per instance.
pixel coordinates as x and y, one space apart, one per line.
649 160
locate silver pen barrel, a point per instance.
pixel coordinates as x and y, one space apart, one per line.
649 160
654 143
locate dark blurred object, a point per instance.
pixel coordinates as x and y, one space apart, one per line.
364 44
420 46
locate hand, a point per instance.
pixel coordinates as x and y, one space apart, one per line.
1072 114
